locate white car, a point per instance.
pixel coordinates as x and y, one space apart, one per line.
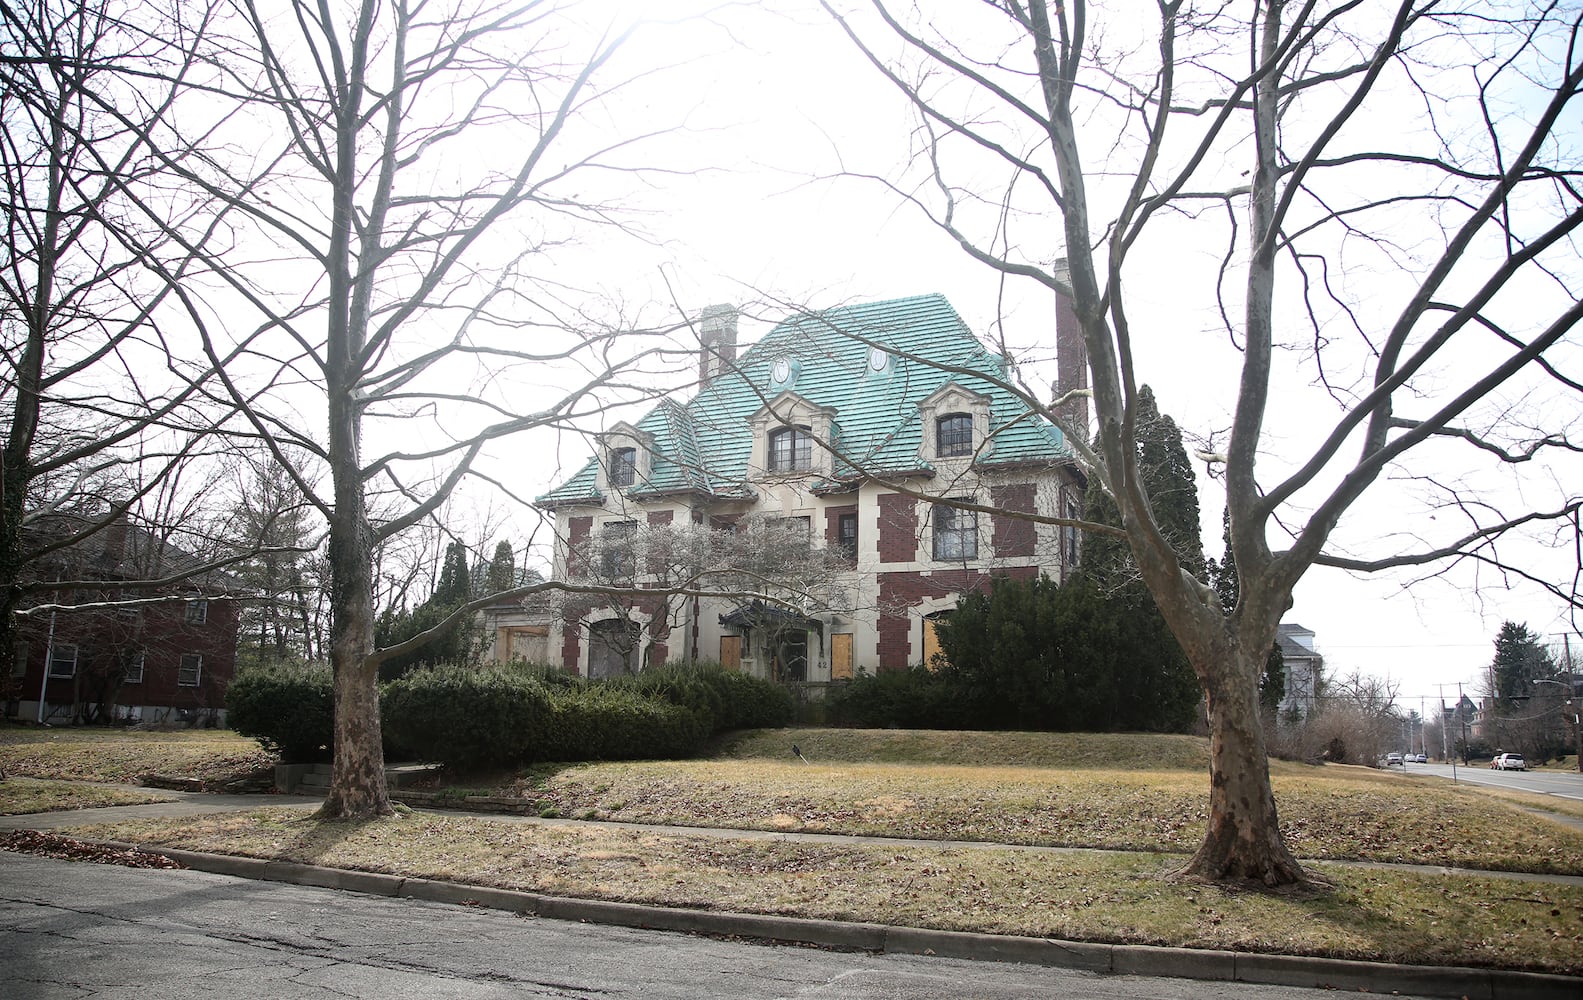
1509 762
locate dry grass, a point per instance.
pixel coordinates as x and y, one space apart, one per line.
1102 751
1365 914
30 795
1327 813
115 755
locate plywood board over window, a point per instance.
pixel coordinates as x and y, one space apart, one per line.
731 652
841 656
933 654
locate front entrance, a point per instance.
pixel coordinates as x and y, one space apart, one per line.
613 648
789 661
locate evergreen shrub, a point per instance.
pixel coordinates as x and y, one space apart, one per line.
287 707
613 722
468 717
900 699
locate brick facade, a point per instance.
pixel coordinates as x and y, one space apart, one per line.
1012 536
898 528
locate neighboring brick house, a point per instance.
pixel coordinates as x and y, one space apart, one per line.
135 653
906 396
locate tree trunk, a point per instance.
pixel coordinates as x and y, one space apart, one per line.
1243 841
357 779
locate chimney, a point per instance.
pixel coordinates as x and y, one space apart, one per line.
1071 353
717 339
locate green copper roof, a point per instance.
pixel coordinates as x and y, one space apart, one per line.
704 445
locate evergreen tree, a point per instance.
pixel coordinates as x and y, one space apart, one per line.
1519 661
502 569
460 644
1173 494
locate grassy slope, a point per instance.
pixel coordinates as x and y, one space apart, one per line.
117 755
31 795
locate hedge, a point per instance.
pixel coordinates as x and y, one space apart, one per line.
467 717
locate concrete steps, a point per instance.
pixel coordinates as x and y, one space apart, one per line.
314 779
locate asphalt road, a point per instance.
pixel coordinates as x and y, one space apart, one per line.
70 930
1566 784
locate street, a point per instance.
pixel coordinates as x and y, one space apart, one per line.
71 929
1566 784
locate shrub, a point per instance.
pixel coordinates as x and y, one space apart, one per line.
904 699
724 699
614 722
468 717
288 707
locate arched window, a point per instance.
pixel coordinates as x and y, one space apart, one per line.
623 466
953 435
791 449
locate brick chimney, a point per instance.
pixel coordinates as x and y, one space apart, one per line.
1071 353
717 342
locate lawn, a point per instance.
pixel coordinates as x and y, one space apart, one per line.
122 755
1142 798
1151 797
1364 913
31 795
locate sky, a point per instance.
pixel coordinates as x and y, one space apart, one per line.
776 106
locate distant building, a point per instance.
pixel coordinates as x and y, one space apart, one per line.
117 653
1304 667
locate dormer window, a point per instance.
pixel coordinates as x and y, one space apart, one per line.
790 450
623 466
953 435
955 425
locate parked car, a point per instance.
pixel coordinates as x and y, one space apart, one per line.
1509 762
1419 758
1393 759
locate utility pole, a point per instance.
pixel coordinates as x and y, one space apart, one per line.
1573 702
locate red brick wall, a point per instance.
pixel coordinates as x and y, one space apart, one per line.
1013 536
658 518
577 531
832 525
898 528
899 592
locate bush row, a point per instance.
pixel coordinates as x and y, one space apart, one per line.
501 717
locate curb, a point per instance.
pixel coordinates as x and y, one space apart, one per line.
1112 959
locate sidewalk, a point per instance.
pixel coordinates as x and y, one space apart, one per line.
1281 970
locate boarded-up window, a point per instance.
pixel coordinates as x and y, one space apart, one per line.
841 656
731 652
933 655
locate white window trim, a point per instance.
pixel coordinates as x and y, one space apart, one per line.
135 678
956 512
944 401
54 651
624 435
198 611
789 410
197 670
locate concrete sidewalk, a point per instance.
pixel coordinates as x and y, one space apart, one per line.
1275 970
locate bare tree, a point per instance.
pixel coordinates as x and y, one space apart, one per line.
1424 274
409 135
101 403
